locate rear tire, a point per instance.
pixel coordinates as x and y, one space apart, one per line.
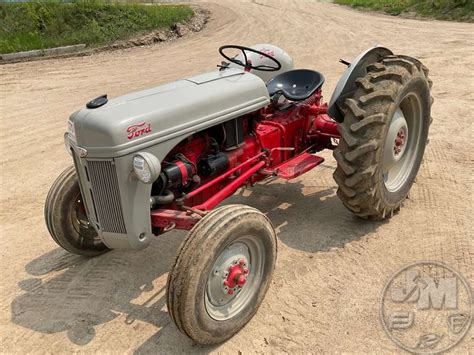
221 273
383 136
66 219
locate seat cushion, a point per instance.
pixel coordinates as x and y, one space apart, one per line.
296 85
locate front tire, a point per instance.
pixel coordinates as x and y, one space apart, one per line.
66 218
383 136
222 273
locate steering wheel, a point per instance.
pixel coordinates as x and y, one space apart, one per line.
248 64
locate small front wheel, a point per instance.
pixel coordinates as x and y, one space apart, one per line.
222 273
66 217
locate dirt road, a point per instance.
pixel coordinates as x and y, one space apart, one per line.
331 268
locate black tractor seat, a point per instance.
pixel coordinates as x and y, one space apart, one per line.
296 85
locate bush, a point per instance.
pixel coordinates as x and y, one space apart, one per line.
26 26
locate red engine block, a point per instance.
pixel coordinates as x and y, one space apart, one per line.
277 142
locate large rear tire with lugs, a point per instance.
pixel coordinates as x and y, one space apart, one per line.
221 274
383 136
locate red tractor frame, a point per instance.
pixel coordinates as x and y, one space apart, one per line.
281 145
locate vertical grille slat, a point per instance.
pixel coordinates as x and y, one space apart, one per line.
105 187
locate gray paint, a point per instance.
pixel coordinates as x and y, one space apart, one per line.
279 54
357 69
174 111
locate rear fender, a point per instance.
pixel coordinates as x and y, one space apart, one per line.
346 84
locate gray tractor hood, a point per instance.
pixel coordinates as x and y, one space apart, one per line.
138 120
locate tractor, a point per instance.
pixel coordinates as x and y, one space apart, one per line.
166 158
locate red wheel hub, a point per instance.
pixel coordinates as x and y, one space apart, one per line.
399 141
237 276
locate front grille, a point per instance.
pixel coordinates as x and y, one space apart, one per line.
106 195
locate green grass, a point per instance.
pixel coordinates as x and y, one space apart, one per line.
37 25
457 10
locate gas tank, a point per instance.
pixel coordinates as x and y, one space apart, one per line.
257 59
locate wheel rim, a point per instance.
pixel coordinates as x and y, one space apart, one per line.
235 278
402 143
86 234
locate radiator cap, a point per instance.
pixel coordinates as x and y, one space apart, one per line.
97 102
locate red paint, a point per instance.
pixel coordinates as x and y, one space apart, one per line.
268 137
399 141
248 65
267 52
276 142
138 130
229 189
237 276
183 170
297 166
163 218
324 125
203 188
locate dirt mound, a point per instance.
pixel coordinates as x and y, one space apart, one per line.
195 24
